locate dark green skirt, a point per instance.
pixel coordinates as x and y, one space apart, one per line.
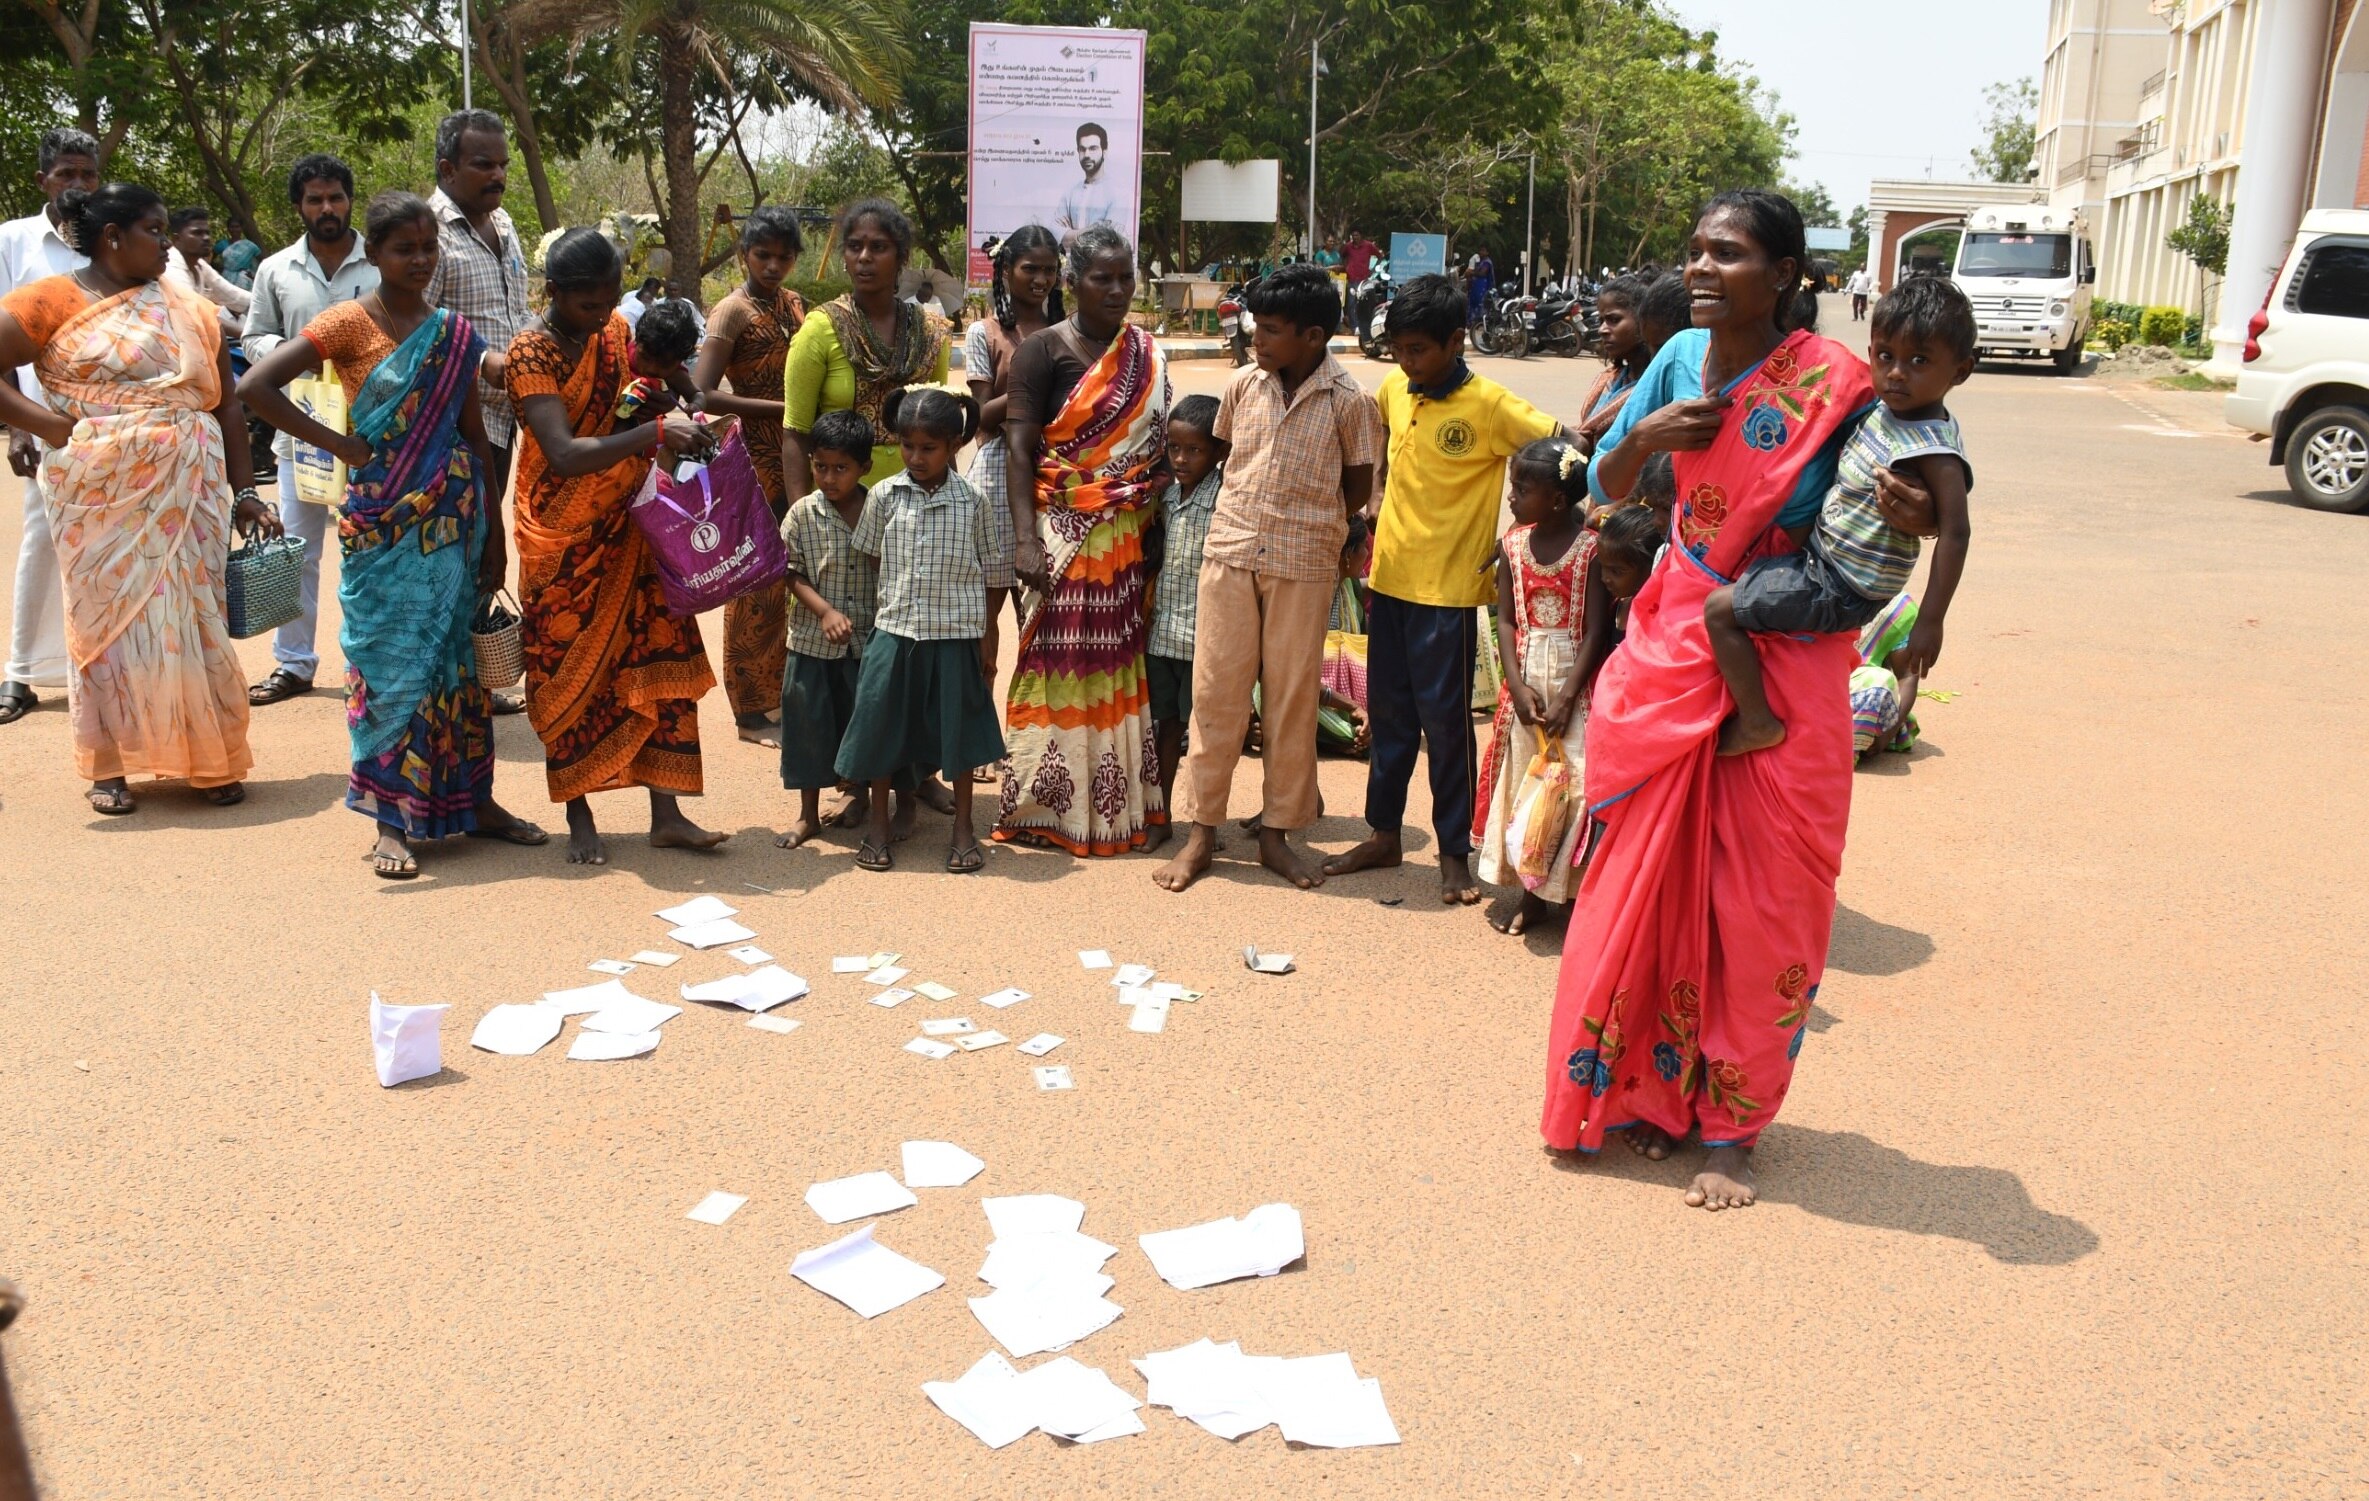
921 705
817 702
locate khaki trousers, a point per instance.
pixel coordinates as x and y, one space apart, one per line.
1267 632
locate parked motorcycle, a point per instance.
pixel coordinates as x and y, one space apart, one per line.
1233 320
1369 306
1503 327
1564 324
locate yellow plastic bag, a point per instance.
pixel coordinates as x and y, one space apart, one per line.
320 474
1544 804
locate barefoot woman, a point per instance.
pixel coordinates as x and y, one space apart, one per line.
1088 428
612 680
418 548
1701 927
146 444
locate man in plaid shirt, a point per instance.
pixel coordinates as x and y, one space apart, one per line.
481 275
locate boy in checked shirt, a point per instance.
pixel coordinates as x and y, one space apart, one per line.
1303 440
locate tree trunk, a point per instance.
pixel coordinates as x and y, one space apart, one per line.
507 73
678 141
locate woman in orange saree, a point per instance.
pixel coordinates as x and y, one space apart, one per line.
1699 937
145 442
1087 424
612 680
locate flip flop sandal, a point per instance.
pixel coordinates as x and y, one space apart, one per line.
871 856
394 867
518 832
112 801
227 797
963 862
509 703
282 684
16 701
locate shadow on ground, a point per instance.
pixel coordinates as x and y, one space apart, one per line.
1863 946
1841 1175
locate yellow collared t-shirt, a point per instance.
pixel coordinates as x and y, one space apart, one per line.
1447 478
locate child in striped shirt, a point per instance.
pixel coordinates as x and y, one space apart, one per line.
1921 347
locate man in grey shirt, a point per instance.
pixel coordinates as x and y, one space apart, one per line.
292 287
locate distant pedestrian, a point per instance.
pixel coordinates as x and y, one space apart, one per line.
192 270
31 248
326 265
1479 276
1861 286
1357 258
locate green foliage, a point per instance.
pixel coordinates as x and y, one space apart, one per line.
2203 236
2164 326
2010 119
2113 333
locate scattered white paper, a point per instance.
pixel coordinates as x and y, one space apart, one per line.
842 1199
987 1400
774 1023
891 997
1169 990
946 1026
758 990
1072 1399
517 1030
716 1208
655 959
935 991
1320 1400
939 1164
1055 1077
698 910
1016 1263
1151 1016
749 953
980 1041
1032 1214
406 1042
1260 1244
1051 1315
1094 958
887 974
1265 964
1135 995
606 1047
1008 996
850 964
865 1275
631 1014
930 1047
1134 974
610 967
1125 1425
710 935
586 999
1041 1044
882 959
1216 1386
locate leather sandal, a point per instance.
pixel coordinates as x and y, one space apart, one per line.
282 684
16 701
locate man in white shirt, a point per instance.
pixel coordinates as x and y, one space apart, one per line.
292 287
1860 286
637 303
190 266
32 248
1090 200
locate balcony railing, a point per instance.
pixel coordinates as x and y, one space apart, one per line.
2151 86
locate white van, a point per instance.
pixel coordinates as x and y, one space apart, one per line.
2304 382
2027 269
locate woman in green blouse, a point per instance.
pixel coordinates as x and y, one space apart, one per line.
852 352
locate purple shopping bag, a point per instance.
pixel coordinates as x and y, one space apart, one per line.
712 535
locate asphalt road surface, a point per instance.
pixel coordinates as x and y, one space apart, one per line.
2067 1199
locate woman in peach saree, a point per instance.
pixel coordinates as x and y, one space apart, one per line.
144 442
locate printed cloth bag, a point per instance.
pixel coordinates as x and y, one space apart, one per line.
711 533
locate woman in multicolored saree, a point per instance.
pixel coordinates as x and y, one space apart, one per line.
612 680
145 444
1699 937
418 548
1087 422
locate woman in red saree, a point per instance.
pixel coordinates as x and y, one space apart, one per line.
1699 936
612 680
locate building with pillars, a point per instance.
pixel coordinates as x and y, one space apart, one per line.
2259 105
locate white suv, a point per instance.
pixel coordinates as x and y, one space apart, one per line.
2305 380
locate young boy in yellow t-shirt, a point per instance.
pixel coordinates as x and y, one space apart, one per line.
1450 435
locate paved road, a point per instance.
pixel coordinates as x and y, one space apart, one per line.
2067 1199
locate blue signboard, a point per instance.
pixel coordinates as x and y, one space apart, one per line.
1417 255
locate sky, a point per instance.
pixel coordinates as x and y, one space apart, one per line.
1879 90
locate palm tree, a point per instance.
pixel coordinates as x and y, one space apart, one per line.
848 54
